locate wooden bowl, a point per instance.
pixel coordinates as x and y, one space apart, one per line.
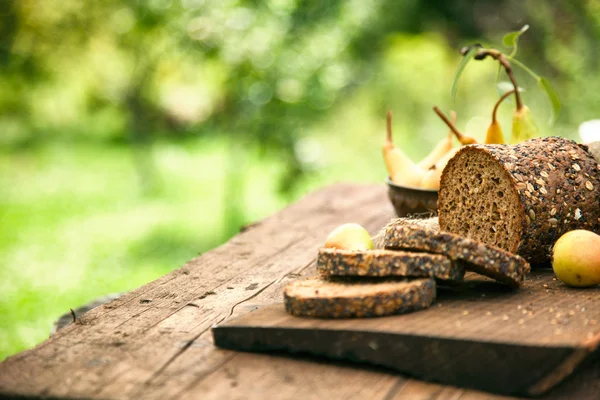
411 200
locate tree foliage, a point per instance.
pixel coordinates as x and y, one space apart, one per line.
258 71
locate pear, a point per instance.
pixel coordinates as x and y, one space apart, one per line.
523 125
349 236
440 149
494 133
438 152
401 169
576 258
431 179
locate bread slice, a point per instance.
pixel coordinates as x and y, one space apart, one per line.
487 260
327 298
522 197
388 263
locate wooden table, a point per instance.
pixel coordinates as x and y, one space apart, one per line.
156 342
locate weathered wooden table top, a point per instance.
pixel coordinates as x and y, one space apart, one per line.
155 341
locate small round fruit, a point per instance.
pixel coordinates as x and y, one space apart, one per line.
349 236
576 258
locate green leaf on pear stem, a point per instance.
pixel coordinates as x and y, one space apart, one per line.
545 85
461 67
511 39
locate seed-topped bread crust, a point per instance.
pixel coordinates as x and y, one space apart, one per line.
521 197
487 260
426 223
387 263
329 298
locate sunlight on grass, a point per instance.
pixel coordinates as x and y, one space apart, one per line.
74 225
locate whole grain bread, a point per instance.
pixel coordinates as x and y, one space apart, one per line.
522 197
487 260
427 223
388 263
328 298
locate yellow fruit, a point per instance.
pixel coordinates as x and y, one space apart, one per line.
494 134
349 236
443 146
576 258
438 152
523 126
431 179
401 169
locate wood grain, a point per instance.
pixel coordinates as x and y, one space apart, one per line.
155 341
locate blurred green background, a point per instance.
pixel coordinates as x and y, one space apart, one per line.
135 135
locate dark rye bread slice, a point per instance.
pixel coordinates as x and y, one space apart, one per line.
522 197
388 263
335 298
487 260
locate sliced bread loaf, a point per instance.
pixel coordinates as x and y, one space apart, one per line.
487 260
522 197
326 298
387 263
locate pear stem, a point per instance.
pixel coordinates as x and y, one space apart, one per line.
501 58
389 127
452 127
504 61
500 100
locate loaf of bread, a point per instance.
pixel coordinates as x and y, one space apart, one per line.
389 263
476 256
522 197
339 298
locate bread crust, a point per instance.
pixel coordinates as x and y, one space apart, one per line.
326 298
556 188
429 223
388 263
487 260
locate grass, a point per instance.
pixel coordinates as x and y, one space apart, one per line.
75 224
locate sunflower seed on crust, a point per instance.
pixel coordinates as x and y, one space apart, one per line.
487 260
338 298
388 263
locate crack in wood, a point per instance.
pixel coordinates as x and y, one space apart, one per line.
213 291
191 341
248 298
395 389
205 375
196 337
187 345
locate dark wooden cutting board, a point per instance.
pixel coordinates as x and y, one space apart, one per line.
480 335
